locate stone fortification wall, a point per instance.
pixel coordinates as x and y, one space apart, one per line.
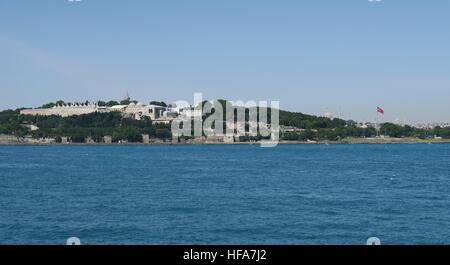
61 111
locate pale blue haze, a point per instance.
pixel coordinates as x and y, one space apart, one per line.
345 57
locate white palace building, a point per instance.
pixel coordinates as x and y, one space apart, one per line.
135 110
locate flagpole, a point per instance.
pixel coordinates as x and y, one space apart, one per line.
378 124
380 112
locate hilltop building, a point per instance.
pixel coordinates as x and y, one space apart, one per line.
64 111
160 114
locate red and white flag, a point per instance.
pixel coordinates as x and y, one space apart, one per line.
380 110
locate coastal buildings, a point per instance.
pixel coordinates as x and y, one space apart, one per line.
11 139
145 139
107 139
431 125
63 111
159 114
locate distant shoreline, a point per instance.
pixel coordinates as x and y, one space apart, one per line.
349 141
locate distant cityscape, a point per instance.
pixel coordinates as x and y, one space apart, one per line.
131 121
160 112
363 124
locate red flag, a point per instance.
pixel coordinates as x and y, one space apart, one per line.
380 110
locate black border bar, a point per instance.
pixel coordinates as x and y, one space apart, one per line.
258 254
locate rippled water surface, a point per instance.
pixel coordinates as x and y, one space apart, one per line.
225 194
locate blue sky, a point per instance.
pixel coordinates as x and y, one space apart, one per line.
316 56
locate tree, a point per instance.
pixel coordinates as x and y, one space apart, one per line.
163 133
78 138
48 105
125 102
308 135
101 103
442 132
392 130
158 103
112 103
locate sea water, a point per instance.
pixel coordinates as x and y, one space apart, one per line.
225 194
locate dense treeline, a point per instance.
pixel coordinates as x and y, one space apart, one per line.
295 119
350 130
321 128
304 121
78 128
10 123
98 125
442 132
394 130
330 134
